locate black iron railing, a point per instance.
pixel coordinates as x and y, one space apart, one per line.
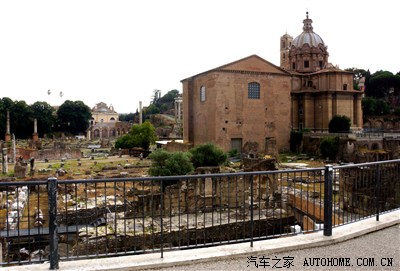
73 219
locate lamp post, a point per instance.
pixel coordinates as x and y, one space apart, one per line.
48 93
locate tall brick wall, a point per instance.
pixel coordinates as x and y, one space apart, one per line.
227 113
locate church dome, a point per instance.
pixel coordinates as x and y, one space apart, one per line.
308 36
308 52
311 38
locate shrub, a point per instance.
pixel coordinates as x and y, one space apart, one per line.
207 155
233 153
339 124
170 163
329 147
295 140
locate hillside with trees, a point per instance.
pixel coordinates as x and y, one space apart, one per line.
382 93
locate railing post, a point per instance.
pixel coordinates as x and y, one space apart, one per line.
328 177
251 210
53 230
377 190
161 219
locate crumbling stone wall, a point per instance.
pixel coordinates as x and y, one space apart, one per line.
58 154
358 189
52 154
353 149
176 146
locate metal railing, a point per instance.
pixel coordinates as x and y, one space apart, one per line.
79 219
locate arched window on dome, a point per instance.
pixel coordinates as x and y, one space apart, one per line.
253 90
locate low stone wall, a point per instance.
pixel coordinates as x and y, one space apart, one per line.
114 243
176 146
207 194
54 154
357 150
51 154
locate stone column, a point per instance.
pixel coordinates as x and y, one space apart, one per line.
140 113
8 134
4 161
35 136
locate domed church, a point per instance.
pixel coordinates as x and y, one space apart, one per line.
252 104
319 89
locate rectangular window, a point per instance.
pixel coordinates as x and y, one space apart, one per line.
236 144
254 90
306 64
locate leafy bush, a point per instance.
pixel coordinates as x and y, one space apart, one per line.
329 147
295 140
207 155
375 107
139 136
233 153
166 163
339 124
170 164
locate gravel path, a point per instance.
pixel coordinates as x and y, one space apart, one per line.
368 252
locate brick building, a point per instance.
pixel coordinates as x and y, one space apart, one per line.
252 104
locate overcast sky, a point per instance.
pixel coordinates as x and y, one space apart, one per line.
120 51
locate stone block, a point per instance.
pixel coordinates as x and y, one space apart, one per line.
20 171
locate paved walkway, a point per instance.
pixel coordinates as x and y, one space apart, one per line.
379 250
377 245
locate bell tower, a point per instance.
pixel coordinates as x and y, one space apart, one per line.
286 43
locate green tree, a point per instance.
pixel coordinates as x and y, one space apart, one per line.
152 109
127 117
44 113
139 136
73 117
21 121
170 163
6 104
168 99
339 124
329 147
382 84
207 155
358 74
381 108
368 106
161 104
